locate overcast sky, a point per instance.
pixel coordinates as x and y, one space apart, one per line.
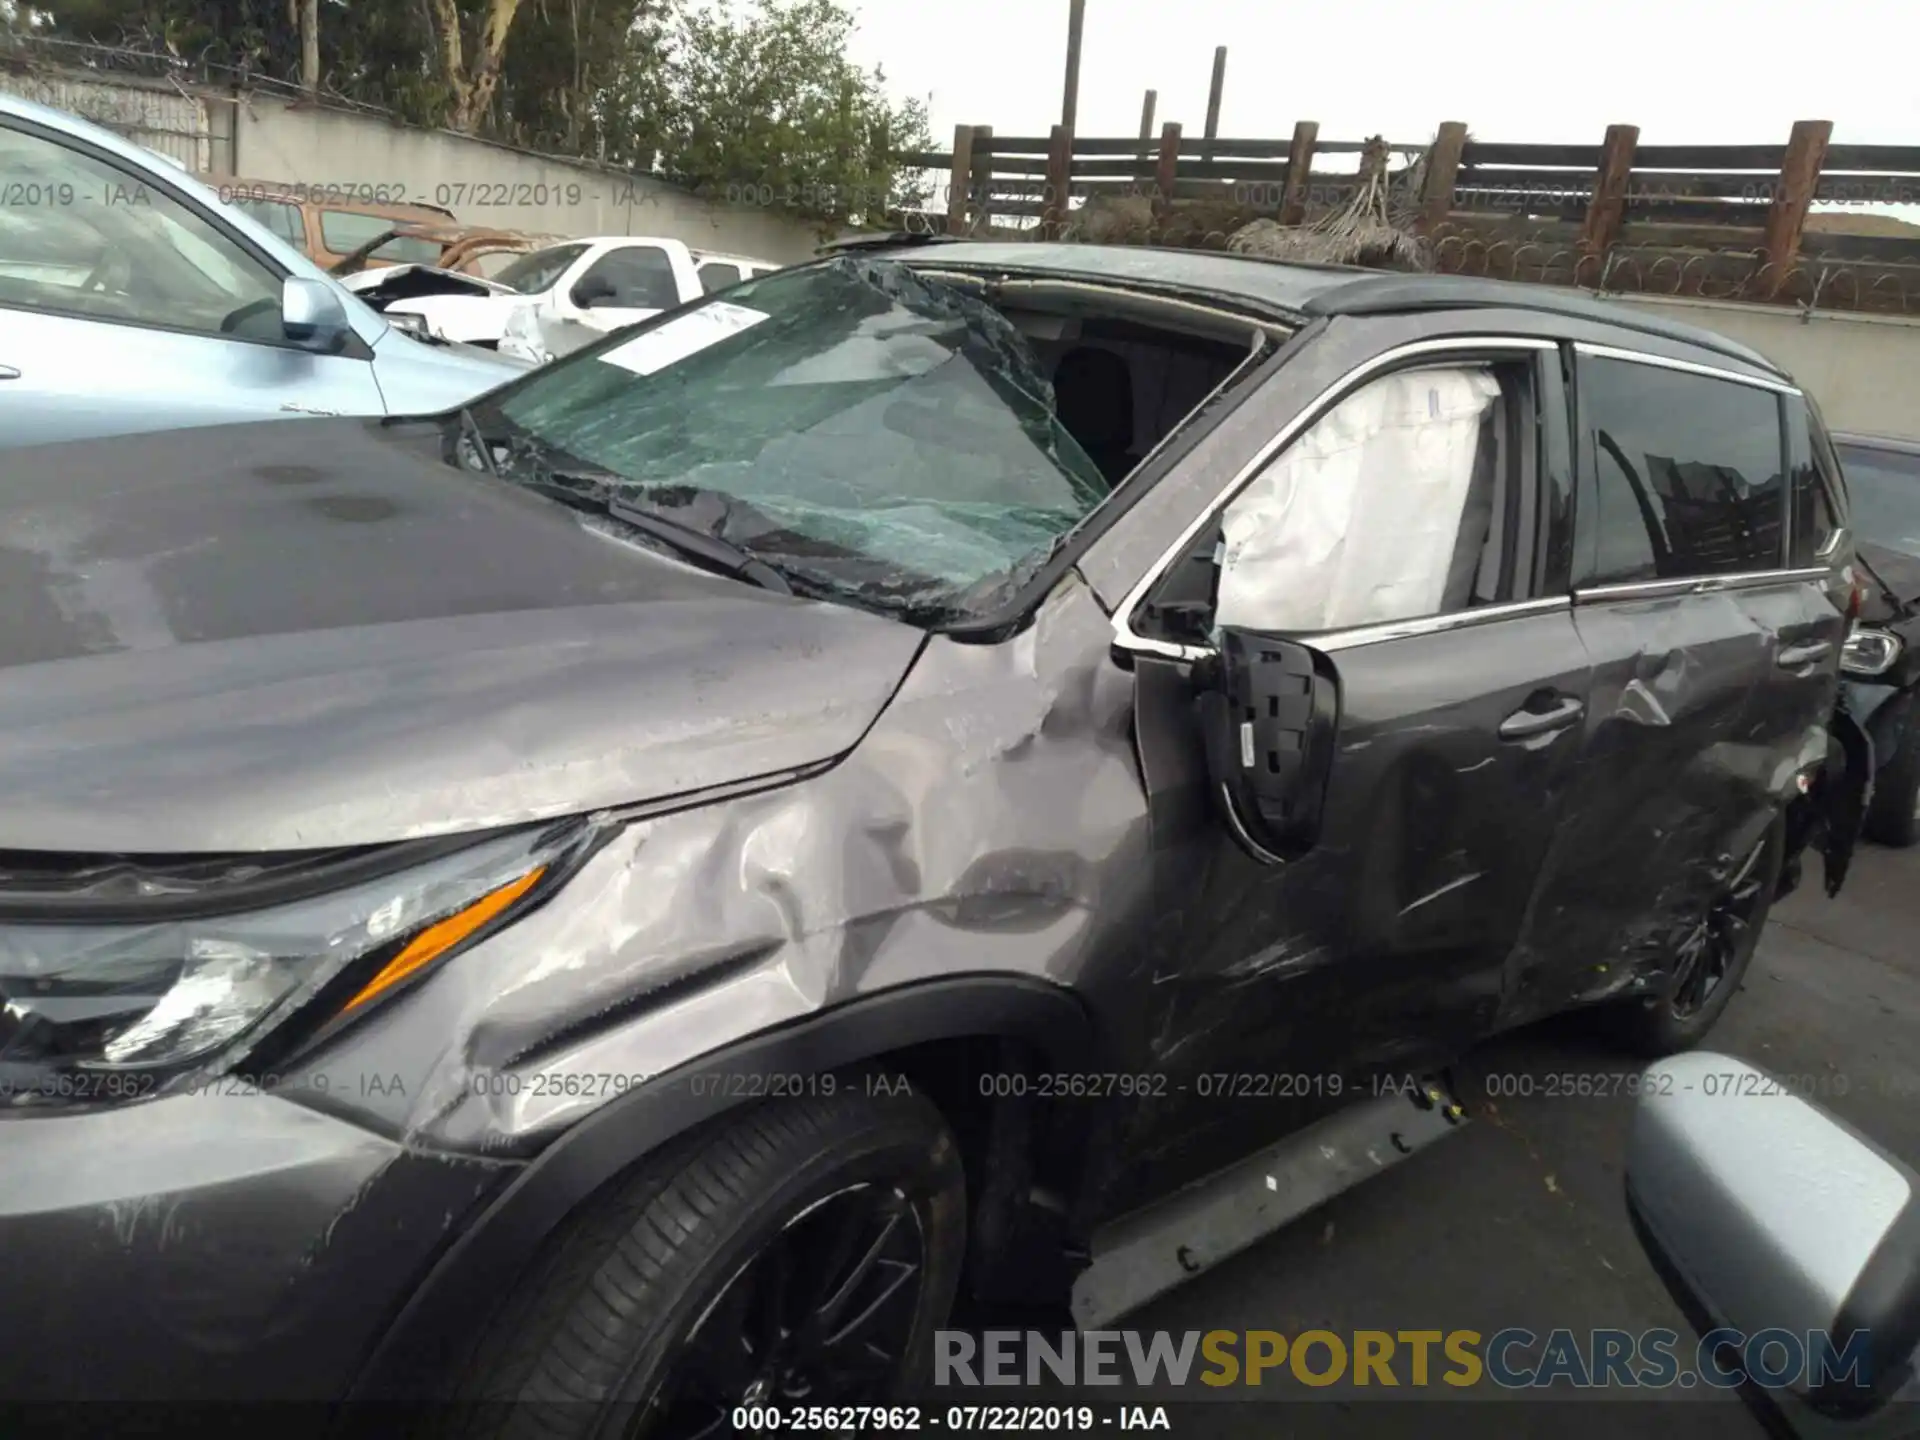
1684 71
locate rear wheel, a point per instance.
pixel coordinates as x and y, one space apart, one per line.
802 1253
1709 964
1896 790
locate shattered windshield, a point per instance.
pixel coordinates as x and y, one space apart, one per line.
868 432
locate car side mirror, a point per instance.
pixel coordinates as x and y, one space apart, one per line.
312 315
1781 1232
593 291
1269 710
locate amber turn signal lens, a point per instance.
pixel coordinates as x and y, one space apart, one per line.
443 935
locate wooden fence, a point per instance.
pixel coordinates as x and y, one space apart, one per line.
1717 220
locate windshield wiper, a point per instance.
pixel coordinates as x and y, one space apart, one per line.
701 545
589 492
470 432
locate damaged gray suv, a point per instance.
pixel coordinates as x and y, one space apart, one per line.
653 891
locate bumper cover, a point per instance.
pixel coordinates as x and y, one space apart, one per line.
213 1247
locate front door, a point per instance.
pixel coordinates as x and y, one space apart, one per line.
1395 540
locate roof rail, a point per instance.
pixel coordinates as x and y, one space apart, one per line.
1390 293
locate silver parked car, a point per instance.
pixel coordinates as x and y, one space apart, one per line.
132 300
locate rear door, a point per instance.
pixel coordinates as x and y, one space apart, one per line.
1715 665
1395 542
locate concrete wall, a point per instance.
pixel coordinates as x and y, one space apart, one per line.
1863 369
487 184
264 137
174 122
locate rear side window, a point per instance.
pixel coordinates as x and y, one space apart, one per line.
718 275
1683 475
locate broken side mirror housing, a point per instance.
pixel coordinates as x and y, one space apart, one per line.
1269 710
1779 1230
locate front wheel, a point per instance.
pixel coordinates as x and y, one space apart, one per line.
1709 964
802 1253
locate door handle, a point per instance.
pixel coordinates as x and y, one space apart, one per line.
7 372
1523 724
1794 656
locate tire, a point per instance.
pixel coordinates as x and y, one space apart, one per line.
1896 791
602 1337
1660 1025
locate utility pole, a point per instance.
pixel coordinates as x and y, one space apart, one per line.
1070 105
1213 101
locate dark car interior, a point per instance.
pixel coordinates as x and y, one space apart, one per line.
1126 368
1120 387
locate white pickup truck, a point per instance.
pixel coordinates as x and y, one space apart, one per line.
548 301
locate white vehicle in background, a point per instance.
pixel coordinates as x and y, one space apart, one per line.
552 327
718 271
597 284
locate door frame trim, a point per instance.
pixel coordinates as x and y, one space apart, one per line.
1698 585
1688 367
1127 639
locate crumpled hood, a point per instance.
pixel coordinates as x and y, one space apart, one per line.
306 634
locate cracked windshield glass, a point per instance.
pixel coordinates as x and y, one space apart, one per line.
872 435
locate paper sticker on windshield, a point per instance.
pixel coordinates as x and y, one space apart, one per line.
682 336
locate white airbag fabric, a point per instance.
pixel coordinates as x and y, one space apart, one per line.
1357 522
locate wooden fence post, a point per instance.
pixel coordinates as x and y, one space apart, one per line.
1215 89
960 180
1293 198
1608 208
1792 198
1054 206
1167 169
1443 168
981 181
1146 135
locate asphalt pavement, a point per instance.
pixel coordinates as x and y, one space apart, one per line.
1519 1219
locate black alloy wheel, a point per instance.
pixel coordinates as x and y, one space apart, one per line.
801 1252
1724 938
818 1316
1708 964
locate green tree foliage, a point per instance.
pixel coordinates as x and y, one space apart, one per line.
767 107
760 106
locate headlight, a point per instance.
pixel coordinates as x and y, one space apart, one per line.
1870 652
119 1010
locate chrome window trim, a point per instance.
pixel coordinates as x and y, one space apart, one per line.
1329 641
1697 585
1830 547
1686 367
1124 635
